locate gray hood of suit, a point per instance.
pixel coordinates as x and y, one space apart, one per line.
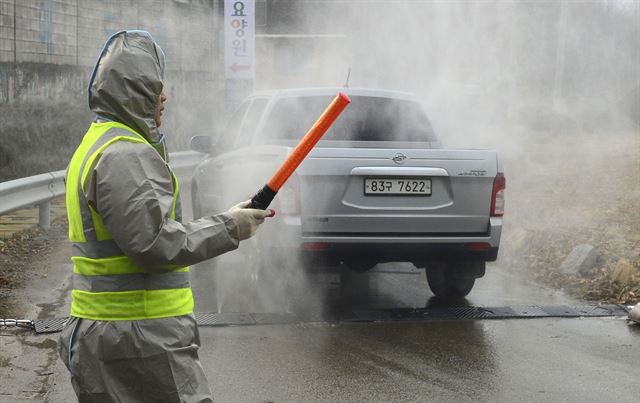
127 81
131 185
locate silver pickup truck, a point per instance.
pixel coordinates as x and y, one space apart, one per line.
379 187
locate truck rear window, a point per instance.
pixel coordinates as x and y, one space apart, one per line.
366 119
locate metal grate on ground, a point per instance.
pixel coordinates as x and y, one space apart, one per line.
386 315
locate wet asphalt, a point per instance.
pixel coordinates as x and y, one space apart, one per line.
514 360
528 360
544 360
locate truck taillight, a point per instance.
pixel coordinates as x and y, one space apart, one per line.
289 197
478 246
497 195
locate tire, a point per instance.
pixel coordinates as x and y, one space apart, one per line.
361 266
195 202
203 274
204 285
354 285
270 277
452 279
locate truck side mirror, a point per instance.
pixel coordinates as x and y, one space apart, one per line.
202 144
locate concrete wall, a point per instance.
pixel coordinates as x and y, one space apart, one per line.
72 32
48 48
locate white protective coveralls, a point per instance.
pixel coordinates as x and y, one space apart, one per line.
151 360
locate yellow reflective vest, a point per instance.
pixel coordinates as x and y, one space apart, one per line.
108 285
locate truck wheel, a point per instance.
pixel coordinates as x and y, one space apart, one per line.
269 275
203 283
447 280
195 202
361 266
354 286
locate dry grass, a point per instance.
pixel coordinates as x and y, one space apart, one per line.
569 190
18 255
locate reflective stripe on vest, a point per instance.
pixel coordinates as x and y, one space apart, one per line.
108 285
131 282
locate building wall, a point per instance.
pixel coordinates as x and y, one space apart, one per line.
48 48
71 32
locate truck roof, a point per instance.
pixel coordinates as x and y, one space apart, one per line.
328 91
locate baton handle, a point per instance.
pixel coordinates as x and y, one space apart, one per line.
263 198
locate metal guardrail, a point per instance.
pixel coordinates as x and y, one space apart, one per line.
39 190
33 191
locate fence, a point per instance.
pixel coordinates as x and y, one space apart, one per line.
39 190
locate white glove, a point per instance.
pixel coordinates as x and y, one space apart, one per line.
247 219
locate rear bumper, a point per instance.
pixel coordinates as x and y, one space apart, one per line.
492 237
420 255
417 248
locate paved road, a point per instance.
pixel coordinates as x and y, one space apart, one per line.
545 360
550 360
514 360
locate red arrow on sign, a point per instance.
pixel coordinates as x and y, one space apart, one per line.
235 67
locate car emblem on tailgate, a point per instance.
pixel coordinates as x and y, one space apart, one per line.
399 158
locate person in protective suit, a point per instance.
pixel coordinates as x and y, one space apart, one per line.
132 336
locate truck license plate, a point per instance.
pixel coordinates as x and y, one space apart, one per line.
395 186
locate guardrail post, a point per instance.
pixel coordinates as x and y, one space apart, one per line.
44 215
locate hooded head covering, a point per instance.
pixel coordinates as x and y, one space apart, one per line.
127 81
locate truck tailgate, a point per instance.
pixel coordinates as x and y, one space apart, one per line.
334 200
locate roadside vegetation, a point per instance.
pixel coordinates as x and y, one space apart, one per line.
21 259
578 189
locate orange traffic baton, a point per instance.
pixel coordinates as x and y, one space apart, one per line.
264 197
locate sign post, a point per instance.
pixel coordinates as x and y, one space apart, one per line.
239 49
